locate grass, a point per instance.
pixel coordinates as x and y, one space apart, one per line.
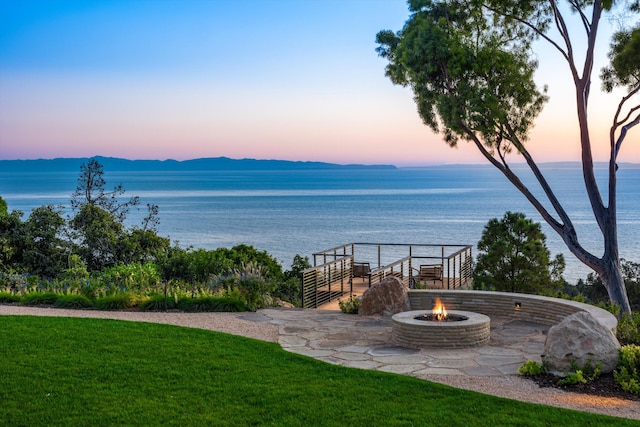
68 371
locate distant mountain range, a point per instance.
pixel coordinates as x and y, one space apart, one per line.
216 163
227 164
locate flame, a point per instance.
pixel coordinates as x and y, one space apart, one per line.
439 312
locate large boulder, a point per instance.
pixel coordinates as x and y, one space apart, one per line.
582 339
387 298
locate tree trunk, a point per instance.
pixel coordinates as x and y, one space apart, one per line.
614 284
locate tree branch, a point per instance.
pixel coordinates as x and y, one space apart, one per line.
557 206
565 230
617 123
583 17
561 26
532 27
624 130
591 44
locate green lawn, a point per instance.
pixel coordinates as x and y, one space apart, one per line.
71 372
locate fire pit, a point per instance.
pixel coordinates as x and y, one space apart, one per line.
440 328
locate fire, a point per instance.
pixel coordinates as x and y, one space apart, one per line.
439 312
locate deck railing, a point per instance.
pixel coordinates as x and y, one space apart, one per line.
333 271
327 282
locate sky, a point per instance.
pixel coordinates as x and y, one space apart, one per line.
267 79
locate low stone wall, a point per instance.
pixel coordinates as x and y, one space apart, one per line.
534 308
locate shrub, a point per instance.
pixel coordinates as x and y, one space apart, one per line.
628 331
584 375
531 369
8 297
158 303
39 298
255 288
117 302
290 290
350 306
131 276
627 374
73 301
13 281
211 304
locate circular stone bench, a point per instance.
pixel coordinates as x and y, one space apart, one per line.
534 308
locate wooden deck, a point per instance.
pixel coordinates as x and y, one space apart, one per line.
361 284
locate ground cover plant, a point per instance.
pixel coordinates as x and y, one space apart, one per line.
66 371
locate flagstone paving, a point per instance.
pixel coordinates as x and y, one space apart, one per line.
365 342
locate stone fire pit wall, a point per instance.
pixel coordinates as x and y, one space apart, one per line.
407 331
533 308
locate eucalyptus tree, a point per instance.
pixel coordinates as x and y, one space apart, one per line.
471 64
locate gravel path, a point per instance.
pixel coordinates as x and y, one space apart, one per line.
253 325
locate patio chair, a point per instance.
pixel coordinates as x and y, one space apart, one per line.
430 272
361 269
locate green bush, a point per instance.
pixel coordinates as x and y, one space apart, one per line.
251 279
290 290
584 375
39 298
132 276
158 303
122 301
13 281
350 306
531 369
628 331
8 297
627 374
211 304
73 301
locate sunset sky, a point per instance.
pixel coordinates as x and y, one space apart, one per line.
279 79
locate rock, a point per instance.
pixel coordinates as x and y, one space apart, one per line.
387 297
283 304
582 339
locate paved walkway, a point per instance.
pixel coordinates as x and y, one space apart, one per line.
365 342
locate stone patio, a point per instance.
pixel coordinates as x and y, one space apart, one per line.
365 342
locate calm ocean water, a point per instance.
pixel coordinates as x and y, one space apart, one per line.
288 212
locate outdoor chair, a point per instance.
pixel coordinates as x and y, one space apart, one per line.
430 272
361 269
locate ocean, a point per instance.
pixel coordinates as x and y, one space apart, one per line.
302 211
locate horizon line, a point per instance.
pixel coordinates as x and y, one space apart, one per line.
408 166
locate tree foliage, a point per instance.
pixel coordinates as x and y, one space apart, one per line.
514 257
45 250
471 64
11 238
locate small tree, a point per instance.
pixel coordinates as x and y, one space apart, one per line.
98 225
90 191
45 250
514 257
12 242
101 236
298 265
